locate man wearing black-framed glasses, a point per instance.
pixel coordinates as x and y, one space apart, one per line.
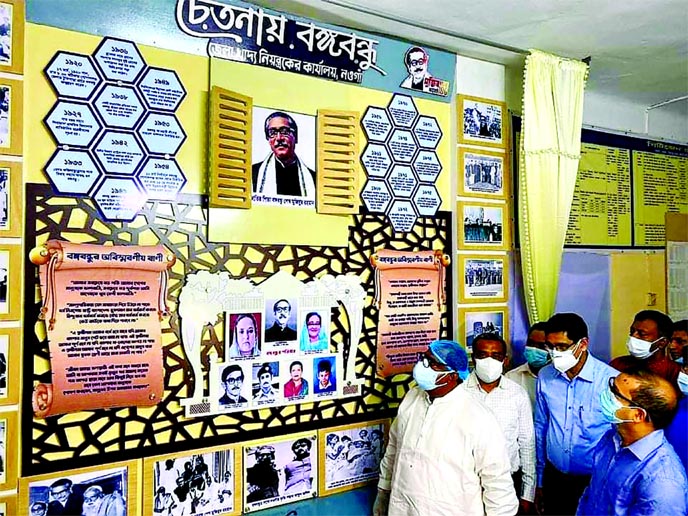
635 470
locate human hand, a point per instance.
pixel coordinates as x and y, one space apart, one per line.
381 505
526 507
539 501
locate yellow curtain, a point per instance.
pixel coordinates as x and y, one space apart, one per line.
549 154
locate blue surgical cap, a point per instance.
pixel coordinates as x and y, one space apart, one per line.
451 354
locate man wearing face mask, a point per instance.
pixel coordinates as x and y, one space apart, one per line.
635 469
648 336
537 357
568 415
446 453
677 432
510 405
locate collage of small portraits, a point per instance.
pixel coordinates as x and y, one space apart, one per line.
223 480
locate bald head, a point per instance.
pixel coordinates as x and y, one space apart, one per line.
655 394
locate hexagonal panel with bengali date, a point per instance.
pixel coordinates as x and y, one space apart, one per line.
161 133
403 110
72 172
119 198
376 160
427 131
402 216
72 75
119 60
119 106
161 89
161 178
376 124
119 152
427 165
402 145
427 200
72 123
402 180
376 196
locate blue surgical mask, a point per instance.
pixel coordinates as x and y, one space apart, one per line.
426 377
610 405
683 382
535 356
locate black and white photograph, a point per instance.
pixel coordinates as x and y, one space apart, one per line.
484 278
5 116
3 450
481 225
4 198
481 121
475 321
10 199
350 455
284 158
12 36
483 173
4 348
204 483
4 279
265 383
6 13
102 492
280 320
10 259
280 471
11 109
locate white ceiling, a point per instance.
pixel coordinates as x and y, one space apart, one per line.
639 48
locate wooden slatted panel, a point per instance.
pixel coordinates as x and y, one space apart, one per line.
337 174
230 149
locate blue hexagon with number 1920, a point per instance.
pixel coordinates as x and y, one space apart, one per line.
119 106
72 75
72 123
161 134
427 200
376 196
119 60
161 178
119 152
161 89
402 216
376 160
72 172
119 198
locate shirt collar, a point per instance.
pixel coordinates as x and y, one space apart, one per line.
642 447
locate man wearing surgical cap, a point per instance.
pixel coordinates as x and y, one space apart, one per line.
446 453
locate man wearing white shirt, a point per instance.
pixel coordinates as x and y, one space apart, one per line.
510 405
537 357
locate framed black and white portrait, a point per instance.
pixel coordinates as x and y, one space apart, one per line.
481 121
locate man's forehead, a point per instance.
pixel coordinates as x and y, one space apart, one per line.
537 335
279 121
559 336
645 325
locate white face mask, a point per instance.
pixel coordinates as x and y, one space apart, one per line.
564 360
488 369
640 348
683 382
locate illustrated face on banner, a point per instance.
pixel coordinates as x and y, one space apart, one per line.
417 64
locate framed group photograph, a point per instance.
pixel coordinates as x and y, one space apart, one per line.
350 455
204 483
485 278
474 321
11 93
485 173
107 489
8 505
10 199
280 470
481 121
482 225
12 36
9 365
10 282
9 450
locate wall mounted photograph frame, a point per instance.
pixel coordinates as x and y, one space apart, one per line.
212 488
481 121
12 48
485 173
11 113
10 284
10 357
484 278
350 455
482 225
116 484
476 320
9 450
8 505
11 199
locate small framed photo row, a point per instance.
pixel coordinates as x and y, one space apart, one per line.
107 489
10 357
485 173
10 282
482 225
9 446
350 455
10 199
485 278
280 470
12 39
481 121
474 321
11 103
204 482
8 505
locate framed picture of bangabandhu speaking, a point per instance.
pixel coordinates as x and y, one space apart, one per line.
481 121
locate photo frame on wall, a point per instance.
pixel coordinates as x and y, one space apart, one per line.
10 358
350 455
85 490
485 173
10 282
474 321
10 199
203 482
9 450
11 109
12 42
481 121
485 278
8 505
482 225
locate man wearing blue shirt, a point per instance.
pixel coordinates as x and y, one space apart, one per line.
568 416
635 469
677 431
